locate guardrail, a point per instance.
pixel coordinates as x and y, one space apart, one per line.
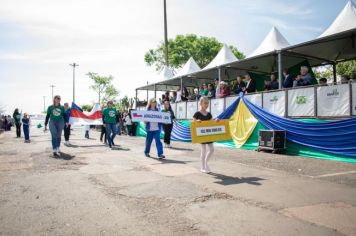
332 101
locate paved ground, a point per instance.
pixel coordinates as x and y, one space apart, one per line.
96 191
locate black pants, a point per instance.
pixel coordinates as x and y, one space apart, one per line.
103 132
167 128
18 130
66 132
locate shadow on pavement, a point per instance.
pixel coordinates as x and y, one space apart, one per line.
84 146
120 148
170 161
66 156
229 180
181 149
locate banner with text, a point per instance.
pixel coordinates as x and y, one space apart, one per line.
333 100
274 102
151 116
210 131
301 102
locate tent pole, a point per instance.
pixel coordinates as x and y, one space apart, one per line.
181 84
155 90
147 92
334 72
136 99
219 71
280 78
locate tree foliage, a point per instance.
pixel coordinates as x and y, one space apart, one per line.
103 87
202 49
87 107
347 68
125 103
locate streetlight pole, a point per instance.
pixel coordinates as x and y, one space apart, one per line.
165 32
74 65
52 90
44 103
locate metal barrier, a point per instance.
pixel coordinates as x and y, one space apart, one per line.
332 101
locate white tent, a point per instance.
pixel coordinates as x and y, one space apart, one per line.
346 20
189 67
224 56
166 73
273 41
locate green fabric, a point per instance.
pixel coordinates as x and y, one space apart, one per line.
293 71
110 115
17 117
141 130
297 149
56 113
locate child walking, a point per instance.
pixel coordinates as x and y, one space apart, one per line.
153 130
207 149
26 127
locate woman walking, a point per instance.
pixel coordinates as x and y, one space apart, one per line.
167 128
17 121
153 130
56 117
207 149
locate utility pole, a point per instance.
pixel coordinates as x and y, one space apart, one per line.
74 65
44 103
52 90
165 32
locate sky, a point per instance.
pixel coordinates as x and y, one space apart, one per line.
40 38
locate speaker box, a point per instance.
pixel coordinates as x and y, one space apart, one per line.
272 139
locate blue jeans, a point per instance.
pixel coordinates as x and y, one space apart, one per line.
111 131
26 131
56 128
149 137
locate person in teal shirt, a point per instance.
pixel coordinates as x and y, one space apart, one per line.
110 116
57 117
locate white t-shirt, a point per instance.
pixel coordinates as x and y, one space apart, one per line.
154 126
179 96
128 120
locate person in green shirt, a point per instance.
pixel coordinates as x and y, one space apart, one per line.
109 120
57 117
17 121
203 90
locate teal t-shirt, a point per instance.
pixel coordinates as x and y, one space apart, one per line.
56 113
17 117
110 115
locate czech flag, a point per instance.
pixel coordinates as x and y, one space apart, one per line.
78 116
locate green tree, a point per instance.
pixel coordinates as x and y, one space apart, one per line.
347 68
125 103
103 87
202 49
87 107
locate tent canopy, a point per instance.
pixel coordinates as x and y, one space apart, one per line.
189 67
225 55
273 41
346 20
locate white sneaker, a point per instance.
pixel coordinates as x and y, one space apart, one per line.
207 169
58 151
203 171
169 146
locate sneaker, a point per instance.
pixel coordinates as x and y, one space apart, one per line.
207 169
161 156
203 171
147 155
169 146
110 146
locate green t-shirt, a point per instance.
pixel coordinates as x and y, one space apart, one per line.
56 113
204 92
17 117
110 115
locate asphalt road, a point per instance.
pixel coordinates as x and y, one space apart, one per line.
93 190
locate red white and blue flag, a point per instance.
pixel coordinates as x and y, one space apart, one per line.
78 116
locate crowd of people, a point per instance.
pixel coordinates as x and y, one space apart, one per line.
242 84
